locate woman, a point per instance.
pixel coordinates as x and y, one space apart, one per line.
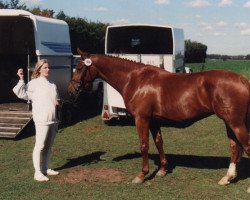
44 97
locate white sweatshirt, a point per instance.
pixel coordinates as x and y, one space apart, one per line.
43 95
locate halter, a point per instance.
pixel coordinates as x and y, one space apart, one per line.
88 63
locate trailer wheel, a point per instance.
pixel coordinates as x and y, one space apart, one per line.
110 122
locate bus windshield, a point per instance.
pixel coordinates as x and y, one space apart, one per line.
139 40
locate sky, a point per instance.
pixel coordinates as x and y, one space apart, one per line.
222 25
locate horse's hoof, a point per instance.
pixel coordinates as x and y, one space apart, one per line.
224 181
137 180
248 190
161 173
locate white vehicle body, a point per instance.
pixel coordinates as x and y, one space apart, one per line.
26 38
161 46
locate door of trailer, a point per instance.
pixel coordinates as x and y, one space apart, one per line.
17 50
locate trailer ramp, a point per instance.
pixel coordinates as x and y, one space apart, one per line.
14 117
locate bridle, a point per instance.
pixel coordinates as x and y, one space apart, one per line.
79 89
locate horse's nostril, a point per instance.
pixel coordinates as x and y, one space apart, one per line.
70 93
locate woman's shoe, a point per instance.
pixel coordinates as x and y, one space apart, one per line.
40 177
52 172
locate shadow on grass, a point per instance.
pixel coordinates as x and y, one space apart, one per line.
94 157
27 132
190 161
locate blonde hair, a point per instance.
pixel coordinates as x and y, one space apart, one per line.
38 66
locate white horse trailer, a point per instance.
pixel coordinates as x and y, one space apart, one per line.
26 38
161 46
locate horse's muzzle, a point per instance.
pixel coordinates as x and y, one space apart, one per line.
72 92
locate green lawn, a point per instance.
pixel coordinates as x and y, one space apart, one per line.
198 158
98 162
239 66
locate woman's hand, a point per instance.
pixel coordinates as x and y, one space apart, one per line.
20 73
58 102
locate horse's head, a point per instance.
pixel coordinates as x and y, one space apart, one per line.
83 76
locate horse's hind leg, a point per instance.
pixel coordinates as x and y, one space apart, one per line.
243 138
236 153
156 133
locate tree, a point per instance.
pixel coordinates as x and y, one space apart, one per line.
13 4
88 36
3 5
61 15
195 52
42 12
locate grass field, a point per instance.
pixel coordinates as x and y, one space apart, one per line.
239 66
98 161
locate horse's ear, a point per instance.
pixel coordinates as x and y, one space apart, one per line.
79 51
83 54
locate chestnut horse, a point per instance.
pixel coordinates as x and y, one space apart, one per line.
153 95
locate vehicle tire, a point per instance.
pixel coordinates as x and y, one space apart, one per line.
111 122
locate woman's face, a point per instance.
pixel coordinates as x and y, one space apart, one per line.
44 70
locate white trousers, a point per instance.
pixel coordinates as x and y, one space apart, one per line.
45 135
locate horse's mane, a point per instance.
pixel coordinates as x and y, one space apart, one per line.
129 64
118 59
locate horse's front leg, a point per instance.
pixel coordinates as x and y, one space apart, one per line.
236 154
156 133
142 126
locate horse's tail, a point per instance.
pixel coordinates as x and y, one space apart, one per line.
248 110
248 118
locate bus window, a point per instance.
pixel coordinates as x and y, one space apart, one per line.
140 40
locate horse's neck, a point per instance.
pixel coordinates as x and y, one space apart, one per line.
113 71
